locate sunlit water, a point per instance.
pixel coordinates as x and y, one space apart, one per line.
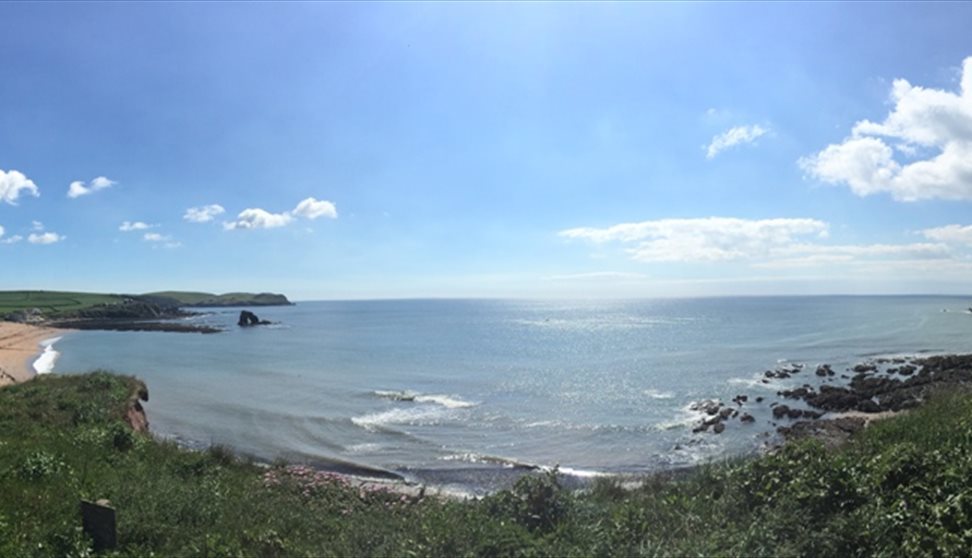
457 390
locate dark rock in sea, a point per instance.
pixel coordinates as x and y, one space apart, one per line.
832 398
769 374
798 393
794 413
248 319
740 399
780 411
718 428
725 413
824 370
746 417
864 367
907 370
759 399
868 406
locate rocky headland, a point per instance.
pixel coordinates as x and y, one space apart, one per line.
164 311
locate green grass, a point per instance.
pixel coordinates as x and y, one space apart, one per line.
203 299
185 297
52 303
904 487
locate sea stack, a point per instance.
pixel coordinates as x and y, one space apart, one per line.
248 319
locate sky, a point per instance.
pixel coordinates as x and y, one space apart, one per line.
403 150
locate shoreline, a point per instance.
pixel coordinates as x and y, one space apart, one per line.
20 345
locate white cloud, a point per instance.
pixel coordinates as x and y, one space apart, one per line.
128 226
161 240
11 240
44 238
808 255
733 137
933 123
703 239
256 218
312 209
204 213
951 234
13 184
37 225
79 188
766 243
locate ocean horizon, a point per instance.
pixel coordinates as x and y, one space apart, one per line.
467 392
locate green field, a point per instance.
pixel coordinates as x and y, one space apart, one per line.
52 303
188 298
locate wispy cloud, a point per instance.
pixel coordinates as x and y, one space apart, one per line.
45 238
952 234
733 137
256 218
161 239
701 239
766 243
203 214
13 184
129 226
887 156
79 188
10 240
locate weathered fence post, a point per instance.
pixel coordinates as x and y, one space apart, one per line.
98 522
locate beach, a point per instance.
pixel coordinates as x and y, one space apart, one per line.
19 346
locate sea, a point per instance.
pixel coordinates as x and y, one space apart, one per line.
467 394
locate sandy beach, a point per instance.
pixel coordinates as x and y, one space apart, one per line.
19 345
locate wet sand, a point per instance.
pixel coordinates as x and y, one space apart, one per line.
19 346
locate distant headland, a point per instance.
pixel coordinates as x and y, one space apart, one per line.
122 312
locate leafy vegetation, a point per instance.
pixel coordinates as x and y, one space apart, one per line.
903 487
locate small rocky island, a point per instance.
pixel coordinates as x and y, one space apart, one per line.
249 319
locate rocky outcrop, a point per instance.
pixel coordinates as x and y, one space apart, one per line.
831 433
131 314
26 316
248 319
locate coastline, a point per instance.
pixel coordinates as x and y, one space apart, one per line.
20 344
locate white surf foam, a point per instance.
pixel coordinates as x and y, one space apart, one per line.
45 362
658 394
447 401
423 415
582 473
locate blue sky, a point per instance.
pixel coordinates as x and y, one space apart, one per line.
483 149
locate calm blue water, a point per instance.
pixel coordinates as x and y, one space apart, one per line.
427 387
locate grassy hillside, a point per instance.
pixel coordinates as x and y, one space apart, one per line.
59 304
185 298
904 487
52 303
